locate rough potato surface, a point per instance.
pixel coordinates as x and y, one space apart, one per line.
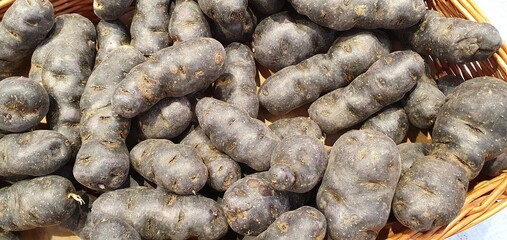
102 162
385 82
287 38
114 229
36 153
455 40
172 72
237 85
224 12
109 10
39 202
110 35
343 15
359 184
234 132
187 22
410 152
287 127
391 121
158 215
23 104
251 204
303 223
294 86
149 26
240 31
222 170
297 164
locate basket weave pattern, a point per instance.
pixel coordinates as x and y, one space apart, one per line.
487 197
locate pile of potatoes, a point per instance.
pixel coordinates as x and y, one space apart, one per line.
159 128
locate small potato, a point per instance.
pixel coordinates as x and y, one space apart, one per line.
297 164
114 229
109 10
187 22
36 153
287 38
174 167
149 26
166 119
110 35
23 104
359 184
234 132
222 170
391 121
288 127
385 82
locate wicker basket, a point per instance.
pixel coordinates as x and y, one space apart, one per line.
485 197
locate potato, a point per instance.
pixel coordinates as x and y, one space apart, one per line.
287 127
391 121
343 15
448 83
303 223
23 104
240 31
410 152
39 202
237 85
172 72
470 128
8 235
110 35
149 26
267 7
109 10
287 38
385 82
495 167
294 86
222 170
251 204
102 162
224 12
24 25
423 102
158 215
114 229
35 153
359 184
297 164
454 40
166 119
187 22
174 167
234 132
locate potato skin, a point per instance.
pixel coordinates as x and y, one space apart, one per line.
192 65
224 12
110 35
187 22
343 15
23 104
175 167
24 25
36 153
294 86
39 202
455 40
109 10
287 127
359 184
251 204
158 215
234 132
237 85
297 164
267 7
222 170
114 229
8 235
448 83
305 222
287 38
430 194
385 82
149 26
166 119
496 166
391 121
240 31
410 152
102 162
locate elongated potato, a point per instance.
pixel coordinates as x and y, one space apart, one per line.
359 184
385 82
234 132
110 35
173 72
109 10
287 127
391 121
237 84
294 86
149 26
187 22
